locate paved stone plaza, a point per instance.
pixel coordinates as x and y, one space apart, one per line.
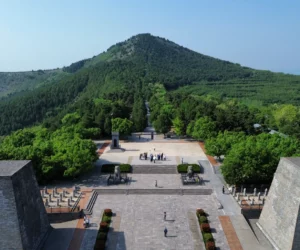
142 222
139 223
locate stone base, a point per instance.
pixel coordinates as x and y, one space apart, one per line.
116 150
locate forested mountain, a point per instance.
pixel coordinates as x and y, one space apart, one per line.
107 83
12 83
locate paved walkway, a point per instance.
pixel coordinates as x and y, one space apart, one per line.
233 240
80 229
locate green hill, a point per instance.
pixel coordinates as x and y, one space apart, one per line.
132 67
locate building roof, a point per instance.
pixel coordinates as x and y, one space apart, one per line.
9 168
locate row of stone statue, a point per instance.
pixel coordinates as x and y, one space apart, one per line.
60 197
233 191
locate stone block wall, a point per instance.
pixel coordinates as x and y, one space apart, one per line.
32 216
279 217
10 237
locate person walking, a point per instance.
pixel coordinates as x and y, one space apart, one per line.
165 215
223 190
166 232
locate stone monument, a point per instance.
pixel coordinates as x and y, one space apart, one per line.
115 140
24 224
280 216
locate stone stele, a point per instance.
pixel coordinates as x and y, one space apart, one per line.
24 223
280 217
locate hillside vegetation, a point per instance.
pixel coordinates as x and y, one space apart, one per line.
134 66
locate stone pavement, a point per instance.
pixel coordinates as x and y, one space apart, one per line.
142 223
141 216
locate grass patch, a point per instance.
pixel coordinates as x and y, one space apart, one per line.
110 168
182 168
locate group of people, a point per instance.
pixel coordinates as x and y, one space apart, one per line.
159 157
86 221
153 157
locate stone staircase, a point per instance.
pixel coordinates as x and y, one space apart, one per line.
89 209
154 169
155 191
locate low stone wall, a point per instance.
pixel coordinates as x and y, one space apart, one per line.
251 213
62 217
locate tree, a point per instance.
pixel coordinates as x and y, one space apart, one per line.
163 123
204 128
255 159
178 126
222 143
123 126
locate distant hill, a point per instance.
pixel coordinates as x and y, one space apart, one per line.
131 66
15 82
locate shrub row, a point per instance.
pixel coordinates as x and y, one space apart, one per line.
182 168
103 230
110 168
205 230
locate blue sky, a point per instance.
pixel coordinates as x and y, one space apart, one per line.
263 34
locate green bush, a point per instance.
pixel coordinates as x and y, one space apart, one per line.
208 237
103 225
210 245
106 219
182 168
107 212
205 228
200 212
110 168
102 236
203 219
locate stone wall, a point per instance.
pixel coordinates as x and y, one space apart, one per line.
32 216
10 237
279 216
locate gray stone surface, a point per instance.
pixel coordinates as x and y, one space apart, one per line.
8 168
25 223
279 217
60 236
142 223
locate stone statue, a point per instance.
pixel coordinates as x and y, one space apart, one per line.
190 172
117 175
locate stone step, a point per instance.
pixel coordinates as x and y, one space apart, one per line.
152 169
89 208
155 191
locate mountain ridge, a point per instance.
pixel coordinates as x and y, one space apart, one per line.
134 66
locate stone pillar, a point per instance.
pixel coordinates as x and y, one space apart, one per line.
57 202
252 201
50 197
233 191
64 193
46 203
244 192
266 192
238 196
61 197
248 198
43 193
254 192
114 140
259 196
53 192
